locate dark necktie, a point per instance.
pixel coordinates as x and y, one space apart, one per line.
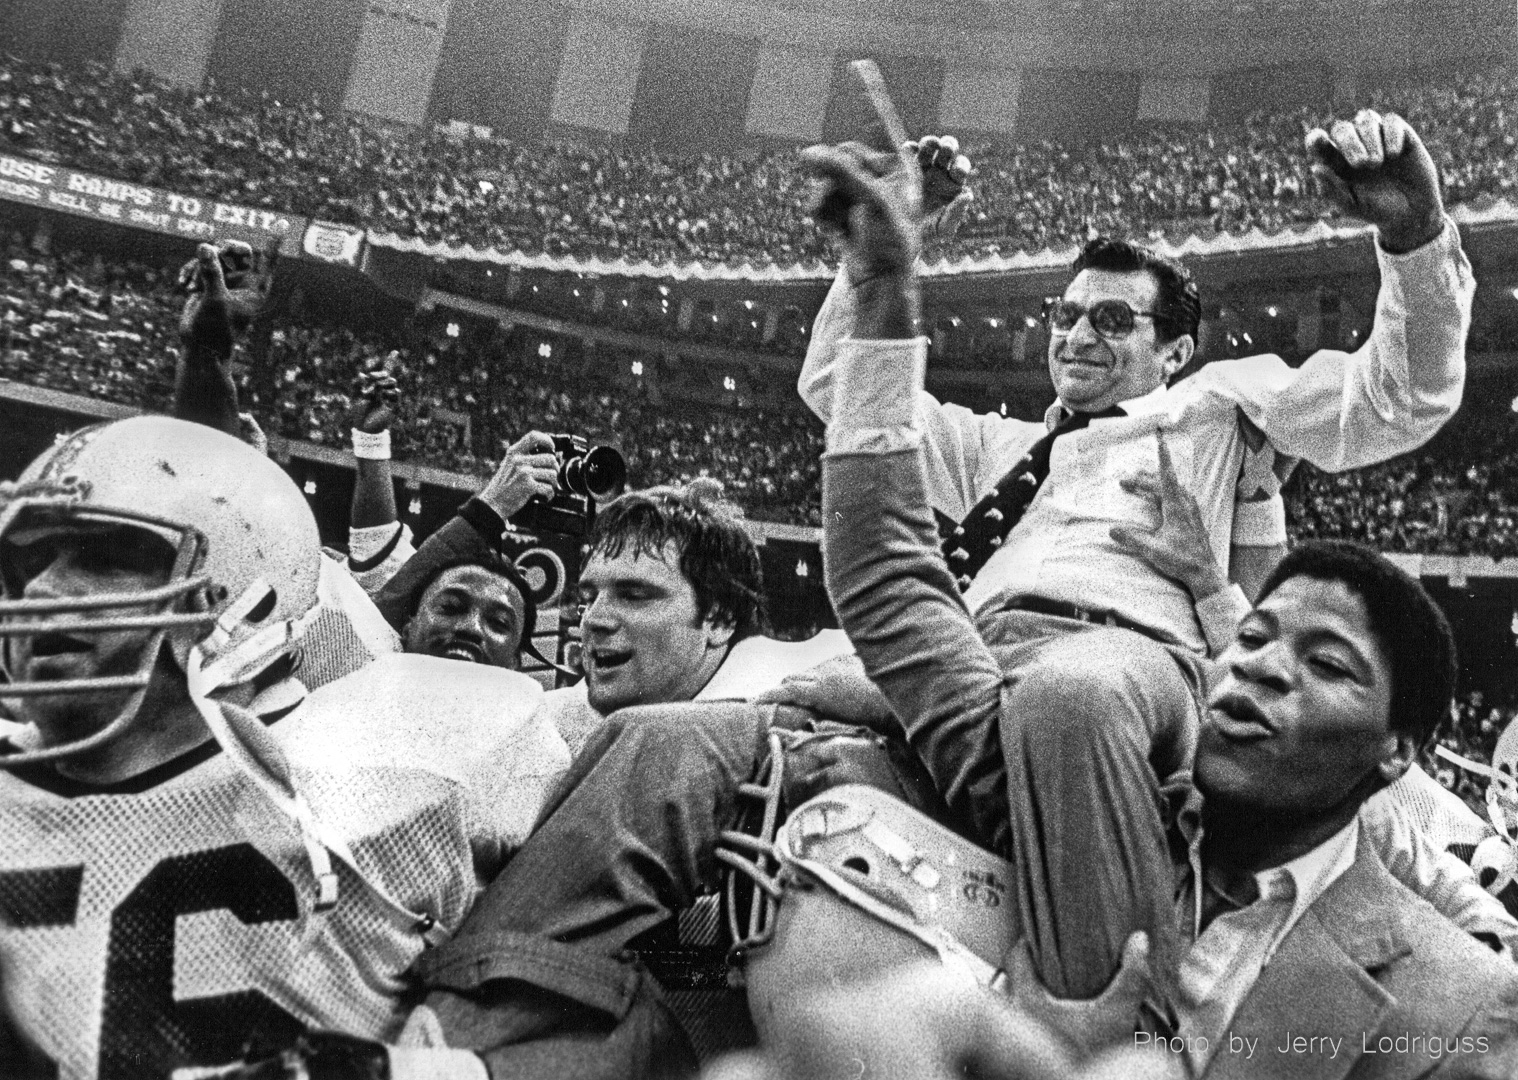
971 543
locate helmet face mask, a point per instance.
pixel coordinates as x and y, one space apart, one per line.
89 597
153 535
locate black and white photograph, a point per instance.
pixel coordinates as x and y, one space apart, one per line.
758 539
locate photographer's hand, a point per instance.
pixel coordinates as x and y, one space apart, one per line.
530 468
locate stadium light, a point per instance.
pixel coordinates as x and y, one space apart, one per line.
1272 311
1514 405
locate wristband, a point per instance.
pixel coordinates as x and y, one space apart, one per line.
371 446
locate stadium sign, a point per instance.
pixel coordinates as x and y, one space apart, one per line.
57 187
333 243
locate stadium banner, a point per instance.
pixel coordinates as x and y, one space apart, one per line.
1316 235
333 243
58 187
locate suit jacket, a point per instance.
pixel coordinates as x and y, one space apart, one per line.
1376 968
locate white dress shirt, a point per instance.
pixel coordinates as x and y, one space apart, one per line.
1338 410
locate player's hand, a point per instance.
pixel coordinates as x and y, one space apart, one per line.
837 689
315 1055
529 470
874 200
921 1021
377 394
945 197
228 284
1093 1025
1376 168
1179 548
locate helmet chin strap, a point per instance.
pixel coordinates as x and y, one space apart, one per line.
252 748
1507 787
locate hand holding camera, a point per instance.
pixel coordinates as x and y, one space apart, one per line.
528 470
557 478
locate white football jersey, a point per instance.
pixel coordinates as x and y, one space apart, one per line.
159 924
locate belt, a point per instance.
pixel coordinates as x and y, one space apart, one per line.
1042 606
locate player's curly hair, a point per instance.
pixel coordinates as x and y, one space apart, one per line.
717 555
1177 305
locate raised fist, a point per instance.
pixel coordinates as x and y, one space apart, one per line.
1378 170
945 197
228 283
873 200
375 398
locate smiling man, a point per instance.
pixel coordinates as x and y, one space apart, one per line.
671 584
1300 955
1098 658
476 610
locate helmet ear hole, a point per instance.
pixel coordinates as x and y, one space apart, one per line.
858 865
265 606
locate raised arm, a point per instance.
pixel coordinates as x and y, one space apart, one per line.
894 594
528 468
379 544
1345 410
959 445
228 284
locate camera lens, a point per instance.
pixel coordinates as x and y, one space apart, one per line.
604 473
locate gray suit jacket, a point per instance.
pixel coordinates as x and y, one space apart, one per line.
1389 989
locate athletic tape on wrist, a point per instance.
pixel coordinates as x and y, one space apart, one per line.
372 446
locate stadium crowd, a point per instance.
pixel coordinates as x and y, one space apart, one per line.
1456 496
78 323
565 198
1050 720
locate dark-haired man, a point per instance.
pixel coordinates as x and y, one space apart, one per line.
478 611
541 981
1301 956
1096 655
673 610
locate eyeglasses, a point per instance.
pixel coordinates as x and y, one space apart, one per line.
1109 318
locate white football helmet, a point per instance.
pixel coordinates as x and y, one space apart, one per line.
866 882
1502 786
245 572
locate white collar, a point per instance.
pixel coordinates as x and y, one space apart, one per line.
1312 873
1139 406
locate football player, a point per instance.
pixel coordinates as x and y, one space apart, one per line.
198 856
